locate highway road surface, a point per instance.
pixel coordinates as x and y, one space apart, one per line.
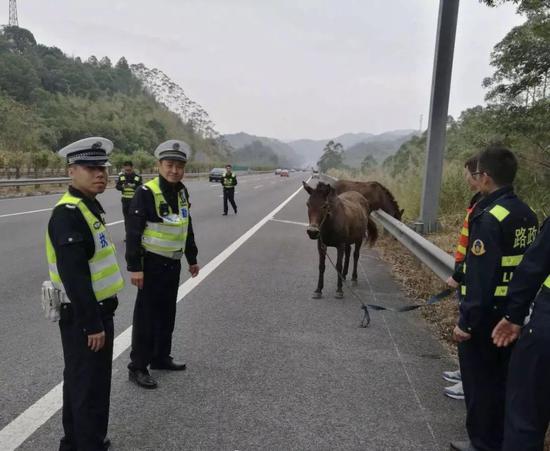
269 368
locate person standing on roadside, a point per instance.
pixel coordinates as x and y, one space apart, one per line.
160 232
470 166
83 267
229 182
501 227
127 183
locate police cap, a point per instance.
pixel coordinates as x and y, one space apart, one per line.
88 152
172 150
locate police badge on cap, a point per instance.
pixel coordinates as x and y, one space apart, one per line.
88 152
172 150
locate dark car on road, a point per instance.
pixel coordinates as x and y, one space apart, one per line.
216 174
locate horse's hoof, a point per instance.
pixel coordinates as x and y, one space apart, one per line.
339 295
317 295
354 283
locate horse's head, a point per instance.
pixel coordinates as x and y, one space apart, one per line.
318 207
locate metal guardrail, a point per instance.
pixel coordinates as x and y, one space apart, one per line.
441 263
436 259
11 183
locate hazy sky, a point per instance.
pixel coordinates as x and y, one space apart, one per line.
284 68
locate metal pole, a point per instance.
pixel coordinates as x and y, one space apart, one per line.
439 107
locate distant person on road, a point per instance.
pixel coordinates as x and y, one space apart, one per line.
159 233
229 182
82 264
501 227
528 390
470 166
127 183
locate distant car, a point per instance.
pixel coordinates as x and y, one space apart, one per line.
216 175
284 173
278 171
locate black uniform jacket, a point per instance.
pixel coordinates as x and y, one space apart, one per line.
490 239
458 275
74 245
142 209
528 278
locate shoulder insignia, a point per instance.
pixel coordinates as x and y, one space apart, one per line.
97 225
70 206
478 248
145 187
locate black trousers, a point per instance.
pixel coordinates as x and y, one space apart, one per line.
155 311
125 209
528 391
484 369
229 195
86 386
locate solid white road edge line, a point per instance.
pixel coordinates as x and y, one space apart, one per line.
22 427
305 224
25 212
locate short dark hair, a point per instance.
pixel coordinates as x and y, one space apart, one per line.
499 163
228 166
471 163
127 163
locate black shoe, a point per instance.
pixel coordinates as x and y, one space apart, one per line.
169 365
142 378
235 211
66 445
462 446
224 214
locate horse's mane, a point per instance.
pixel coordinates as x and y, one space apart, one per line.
390 195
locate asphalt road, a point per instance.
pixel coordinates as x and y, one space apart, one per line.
268 367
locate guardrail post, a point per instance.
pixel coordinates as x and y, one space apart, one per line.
439 107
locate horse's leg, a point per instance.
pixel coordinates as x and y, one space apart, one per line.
346 260
322 255
356 253
340 256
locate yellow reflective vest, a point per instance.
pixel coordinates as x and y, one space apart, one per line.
168 237
106 276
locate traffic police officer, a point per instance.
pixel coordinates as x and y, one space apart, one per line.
528 390
159 233
229 182
501 227
127 183
82 264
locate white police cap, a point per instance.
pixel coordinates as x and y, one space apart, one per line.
88 152
172 149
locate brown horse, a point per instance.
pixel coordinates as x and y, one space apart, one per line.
338 221
378 195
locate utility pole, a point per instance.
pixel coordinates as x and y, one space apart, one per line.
439 107
13 14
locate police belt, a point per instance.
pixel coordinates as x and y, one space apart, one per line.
173 255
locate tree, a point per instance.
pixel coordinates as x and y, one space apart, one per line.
39 160
522 62
368 162
332 157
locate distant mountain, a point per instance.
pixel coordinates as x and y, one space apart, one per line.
384 145
380 147
286 155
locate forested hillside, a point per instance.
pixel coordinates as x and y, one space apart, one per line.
48 99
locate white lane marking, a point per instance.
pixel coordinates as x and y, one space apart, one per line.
114 223
215 185
258 186
22 427
305 224
25 212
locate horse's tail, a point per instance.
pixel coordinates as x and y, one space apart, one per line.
372 232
